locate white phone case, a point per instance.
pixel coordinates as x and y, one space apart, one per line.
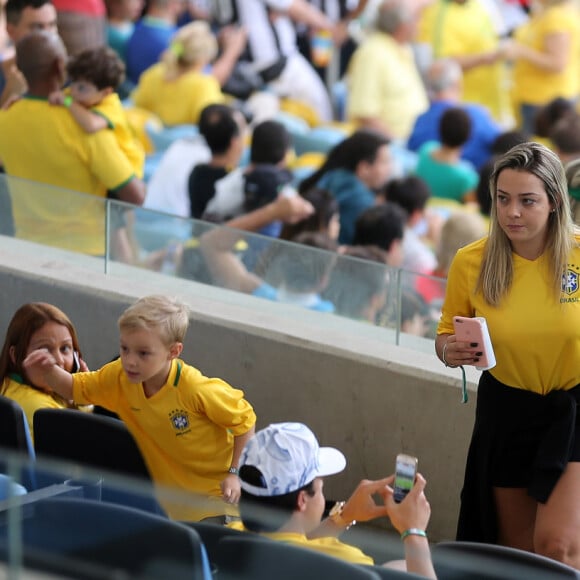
475 330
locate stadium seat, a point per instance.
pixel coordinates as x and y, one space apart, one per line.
84 539
479 561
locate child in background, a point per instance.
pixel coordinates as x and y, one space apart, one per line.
35 326
440 164
95 74
190 429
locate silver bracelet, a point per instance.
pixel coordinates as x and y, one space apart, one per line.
443 357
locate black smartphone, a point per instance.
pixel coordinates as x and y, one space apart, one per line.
76 362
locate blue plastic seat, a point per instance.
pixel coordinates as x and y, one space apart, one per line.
80 538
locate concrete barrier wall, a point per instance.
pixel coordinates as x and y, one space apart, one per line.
354 388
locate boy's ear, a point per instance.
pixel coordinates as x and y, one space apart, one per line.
107 91
175 350
12 354
301 501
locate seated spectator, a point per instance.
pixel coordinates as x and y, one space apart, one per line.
151 36
177 89
412 193
324 220
386 92
189 428
121 17
358 288
383 226
281 471
565 138
502 144
22 18
413 313
302 274
81 24
66 157
546 117
461 228
247 188
444 86
573 179
221 127
38 325
440 164
354 171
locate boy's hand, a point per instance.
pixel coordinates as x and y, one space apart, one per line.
361 506
414 511
56 98
37 365
291 209
231 488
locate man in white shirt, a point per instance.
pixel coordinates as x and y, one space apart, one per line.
273 49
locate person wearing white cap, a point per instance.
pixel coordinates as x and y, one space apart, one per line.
282 467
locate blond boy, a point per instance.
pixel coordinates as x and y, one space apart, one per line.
190 429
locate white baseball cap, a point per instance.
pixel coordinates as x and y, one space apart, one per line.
288 456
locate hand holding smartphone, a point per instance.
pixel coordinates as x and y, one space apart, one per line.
475 330
405 473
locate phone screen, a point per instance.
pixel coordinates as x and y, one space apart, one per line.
405 471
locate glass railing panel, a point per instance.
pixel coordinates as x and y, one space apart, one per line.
419 309
53 217
119 237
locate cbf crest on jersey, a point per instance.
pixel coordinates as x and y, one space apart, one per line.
180 421
570 280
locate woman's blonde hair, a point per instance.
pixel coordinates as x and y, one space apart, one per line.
496 273
193 44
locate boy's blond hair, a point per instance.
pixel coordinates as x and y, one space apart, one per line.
168 316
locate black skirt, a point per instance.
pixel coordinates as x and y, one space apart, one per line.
520 439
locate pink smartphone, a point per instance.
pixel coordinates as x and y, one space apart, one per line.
475 330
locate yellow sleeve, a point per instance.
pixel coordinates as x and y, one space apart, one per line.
111 109
107 161
457 294
102 387
223 405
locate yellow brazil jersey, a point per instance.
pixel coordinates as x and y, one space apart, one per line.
179 101
185 431
29 399
51 154
329 546
534 85
534 334
111 109
384 82
453 29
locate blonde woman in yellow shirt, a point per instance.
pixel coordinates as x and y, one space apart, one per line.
178 88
